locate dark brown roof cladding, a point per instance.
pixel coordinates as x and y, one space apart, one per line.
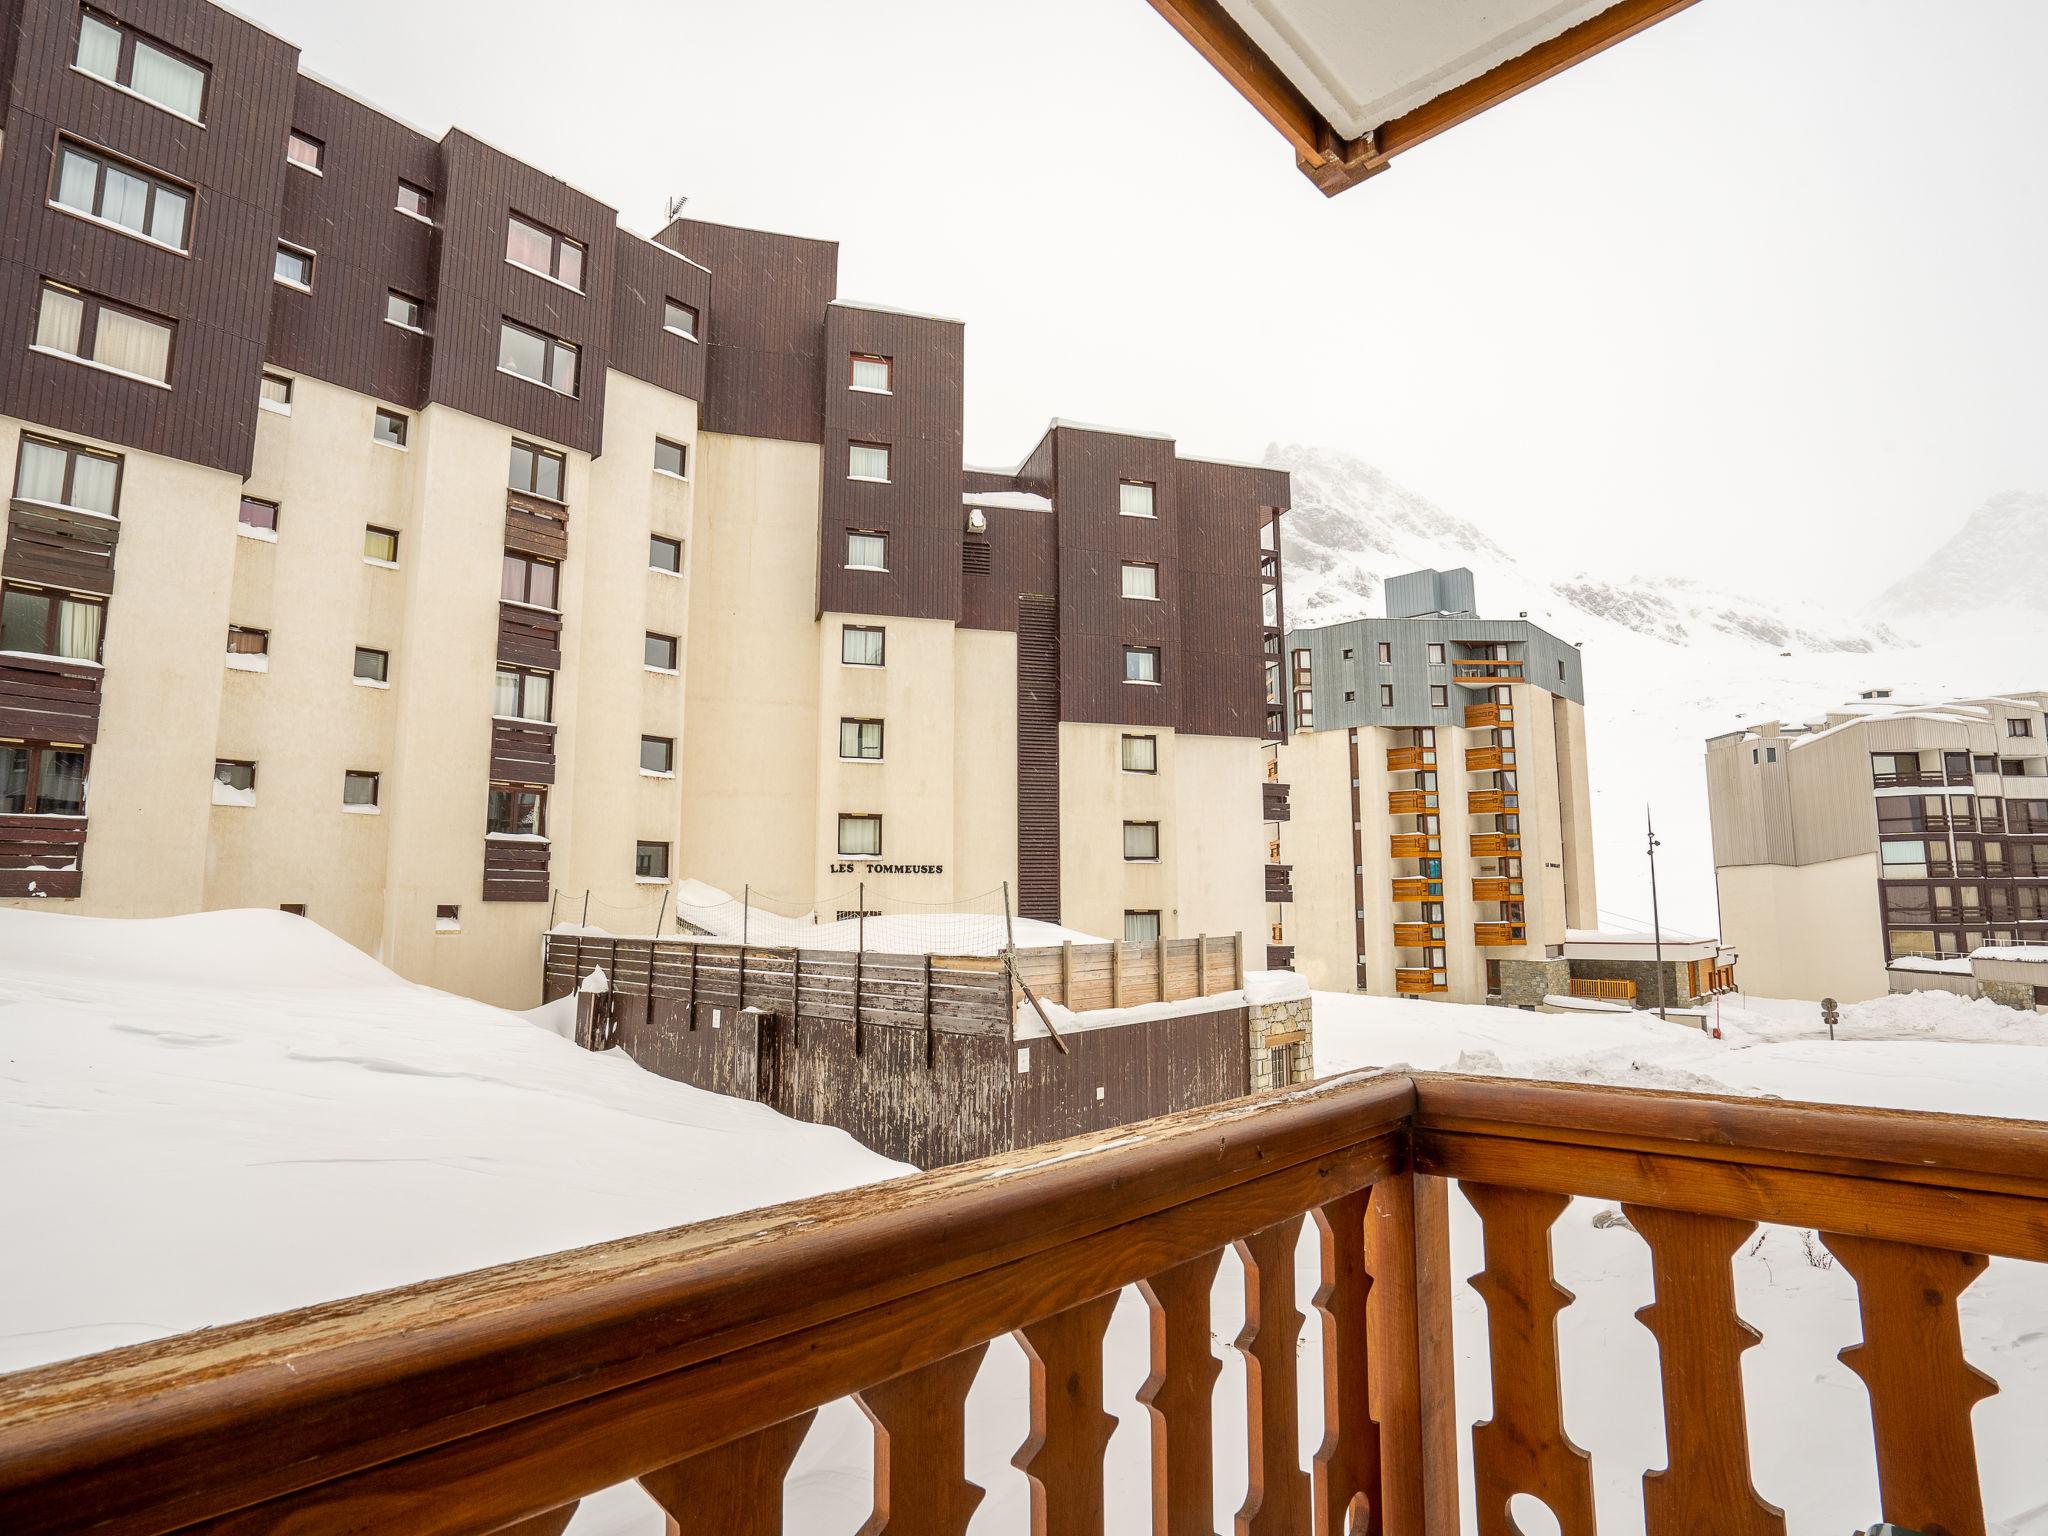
645 277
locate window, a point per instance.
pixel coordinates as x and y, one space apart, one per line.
664 554
277 394
1560 669
2014 726
867 551
122 56
447 919
260 515
63 475
1141 754
1141 927
1770 754
869 373
540 249
372 666
661 652
88 329
293 266
1141 581
860 740
670 458
1134 498
544 360
1386 695
121 194
1439 697
679 317
405 311
46 623
359 787
528 579
867 461
1386 653
524 695
517 810
390 429
1141 841
39 780
536 471
650 861
305 151
861 645
380 544
416 201
1436 655
243 641
230 774
1350 696
1141 663
657 754
860 837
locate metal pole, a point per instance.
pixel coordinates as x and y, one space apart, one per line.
746 903
1656 920
585 921
660 913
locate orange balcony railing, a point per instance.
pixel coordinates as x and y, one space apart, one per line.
1418 935
1411 802
1420 983
1496 890
1485 674
1414 845
1486 717
1496 845
1488 759
1410 759
1412 888
1499 935
1493 802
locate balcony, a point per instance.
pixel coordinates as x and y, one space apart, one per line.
1279 882
1420 983
1499 935
1279 957
1493 802
1414 845
1496 845
1413 888
1488 759
41 855
1496 890
1486 717
1410 759
1418 935
1411 802
1605 990
694 1360
1485 674
1269 565
1273 802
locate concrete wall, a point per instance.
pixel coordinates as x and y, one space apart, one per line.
1806 932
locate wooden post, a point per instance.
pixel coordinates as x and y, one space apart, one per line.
860 945
1159 959
1201 965
930 1040
1017 976
693 989
1067 973
1237 962
746 901
1408 1239
1116 974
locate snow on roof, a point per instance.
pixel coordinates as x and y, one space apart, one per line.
1061 422
2031 952
1951 965
1008 501
1630 936
885 309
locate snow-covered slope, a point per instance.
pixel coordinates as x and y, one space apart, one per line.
1993 561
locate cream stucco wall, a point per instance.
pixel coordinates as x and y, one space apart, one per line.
1805 931
1316 839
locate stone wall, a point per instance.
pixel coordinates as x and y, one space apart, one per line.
2010 994
1525 983
1644 974
1282 1043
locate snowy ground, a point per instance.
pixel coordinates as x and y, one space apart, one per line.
273 1119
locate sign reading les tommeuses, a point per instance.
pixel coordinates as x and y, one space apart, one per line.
849 868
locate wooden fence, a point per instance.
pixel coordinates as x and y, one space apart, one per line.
695 1360
1083 977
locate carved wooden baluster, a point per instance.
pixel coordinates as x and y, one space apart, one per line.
1069 1430
1277 1503
553 1523
1180 1393
921 1486
1347 1466
1921 1388
1705 1487
735 1490
1522 1448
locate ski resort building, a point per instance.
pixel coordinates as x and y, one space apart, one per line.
1429 820
1884 833
348 466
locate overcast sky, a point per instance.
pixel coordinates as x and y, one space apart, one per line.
1761 294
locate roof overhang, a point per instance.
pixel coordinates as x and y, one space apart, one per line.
1351 84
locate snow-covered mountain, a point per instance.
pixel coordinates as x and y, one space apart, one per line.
1992 561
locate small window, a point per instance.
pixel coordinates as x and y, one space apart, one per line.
380 544
1141 927
2014 726
122 194
293 266
541 359
1386 695
661 652
277 394
88 329
529 579
679 318
305 151
1770 754
1141 663
536 471
405 311
860 837
1134 498
122 56
867 551
243 641
235 775
671 458
650 861
867 461
1347 653
860 740
416 201
261 515
390 429
65 475
540 249
861 645
1560 669
1141 841
359 787
1141 581
657 754
447 919
664 554
1436 655
47 623
1386 653
524 695
1350 696
40 780
1439 697
1141 754
372 666
869 373
517 810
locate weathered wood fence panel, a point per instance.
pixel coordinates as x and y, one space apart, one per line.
1084 977
1158 1067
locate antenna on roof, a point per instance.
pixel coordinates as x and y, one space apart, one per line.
675 209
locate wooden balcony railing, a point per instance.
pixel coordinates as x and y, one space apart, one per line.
694 1360
1485 674
1485 717
1419 983
1499 935
1488 759
1418 935
1493 802
1411 802
1414 845
1410 759
1611 991
1496 845
1496 890
1416 888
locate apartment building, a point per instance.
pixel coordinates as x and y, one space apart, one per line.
395 538
1886 830
1429 821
